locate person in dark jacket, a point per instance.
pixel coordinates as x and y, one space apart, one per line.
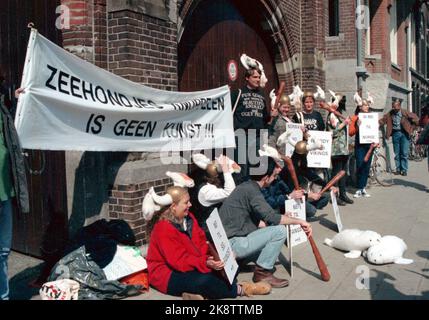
241 213
250 120
13 183
400 125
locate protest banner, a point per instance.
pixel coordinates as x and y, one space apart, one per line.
71 104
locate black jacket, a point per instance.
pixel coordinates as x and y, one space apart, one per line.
16 158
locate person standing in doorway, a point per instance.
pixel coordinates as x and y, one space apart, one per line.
250 119
13 183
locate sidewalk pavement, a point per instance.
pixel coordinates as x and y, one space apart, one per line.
400 210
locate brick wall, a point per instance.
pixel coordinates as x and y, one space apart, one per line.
143 49
343 46
125 202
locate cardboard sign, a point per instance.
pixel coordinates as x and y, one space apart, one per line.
368 129
320 158
336 211
222 244
297 209
296 135
126 261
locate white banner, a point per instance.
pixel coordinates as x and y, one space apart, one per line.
368 129
296 135
336 211
70 104
320 158
222 245
297 209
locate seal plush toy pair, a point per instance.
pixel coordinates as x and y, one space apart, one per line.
377 249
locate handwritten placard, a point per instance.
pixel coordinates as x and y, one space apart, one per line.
296 135
297 210
368 129
320 158
222 244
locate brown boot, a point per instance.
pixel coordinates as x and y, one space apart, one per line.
262 274
249 289
191 296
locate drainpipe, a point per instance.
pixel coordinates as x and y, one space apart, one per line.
360 69
408 62
358 48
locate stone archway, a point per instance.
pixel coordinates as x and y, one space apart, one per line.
285 47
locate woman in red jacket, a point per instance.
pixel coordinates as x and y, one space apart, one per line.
178 260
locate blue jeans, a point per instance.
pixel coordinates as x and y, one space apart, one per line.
401 147
362 167
5 244
265 243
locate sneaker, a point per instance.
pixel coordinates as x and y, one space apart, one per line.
404 173
358 194
365 194
397 172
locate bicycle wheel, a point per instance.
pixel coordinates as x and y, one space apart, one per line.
381 171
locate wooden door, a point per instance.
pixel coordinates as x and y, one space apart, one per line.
44 228
218 32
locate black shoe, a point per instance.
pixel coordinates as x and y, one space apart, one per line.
346 199
340 202
397 173
404 173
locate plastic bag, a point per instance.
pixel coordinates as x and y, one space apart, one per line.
64 289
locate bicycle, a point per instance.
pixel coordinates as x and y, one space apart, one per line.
380 171
417 151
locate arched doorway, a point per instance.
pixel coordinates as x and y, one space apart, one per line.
218 32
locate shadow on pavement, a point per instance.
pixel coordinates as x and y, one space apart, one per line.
327 223
423 254
309 272
382 288
410 184
19 284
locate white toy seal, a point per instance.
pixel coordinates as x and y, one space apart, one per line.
354 241
389 250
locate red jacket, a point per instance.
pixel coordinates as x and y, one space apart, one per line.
171 249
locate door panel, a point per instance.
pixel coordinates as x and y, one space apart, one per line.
46 224
215 34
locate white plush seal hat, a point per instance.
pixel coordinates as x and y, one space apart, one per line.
213 167
153 202
248 62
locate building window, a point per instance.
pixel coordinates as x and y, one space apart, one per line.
393 33
334 18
